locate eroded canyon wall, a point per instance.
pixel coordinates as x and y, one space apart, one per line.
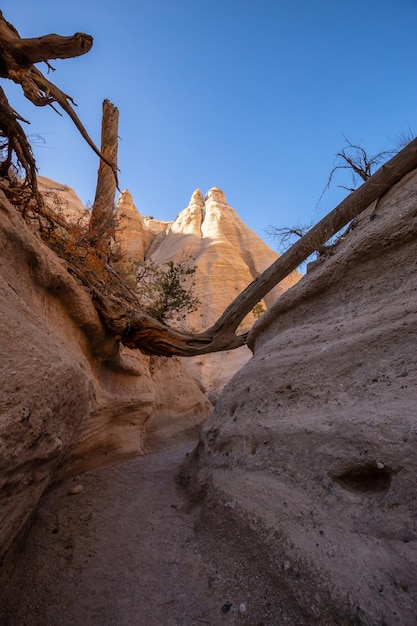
227 254
69 398
310 454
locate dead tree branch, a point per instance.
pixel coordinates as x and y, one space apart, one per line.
15 141
358 162
17 59
102 215
154 338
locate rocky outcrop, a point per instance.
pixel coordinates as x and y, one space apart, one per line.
69 399
130 230
134 234
310 454
228 256
63 200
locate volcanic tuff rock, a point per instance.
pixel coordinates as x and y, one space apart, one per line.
310 455
69 401
227 253
63 200
134 235
228 256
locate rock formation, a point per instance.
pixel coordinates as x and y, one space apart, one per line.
309 457
71 398
69 401
310 453
228 256
63 200
227 253
134 235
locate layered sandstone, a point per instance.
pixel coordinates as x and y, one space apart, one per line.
228 256
63 200
310 454
70 400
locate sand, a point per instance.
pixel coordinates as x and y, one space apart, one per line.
127 549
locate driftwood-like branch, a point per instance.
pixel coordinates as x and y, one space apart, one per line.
45 48
380 182
138 331
26 52
102 214
17 59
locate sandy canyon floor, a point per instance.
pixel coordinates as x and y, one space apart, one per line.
129 550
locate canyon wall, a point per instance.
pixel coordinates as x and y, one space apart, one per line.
310 455
227 254
69 398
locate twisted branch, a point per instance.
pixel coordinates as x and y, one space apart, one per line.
17 59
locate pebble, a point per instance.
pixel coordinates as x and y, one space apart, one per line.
242 608
213 580
74 490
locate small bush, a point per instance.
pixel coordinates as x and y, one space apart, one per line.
258 310
167 291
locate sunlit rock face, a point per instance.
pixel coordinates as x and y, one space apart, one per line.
228 256
134 232
311 451
63 200
130 228
69 400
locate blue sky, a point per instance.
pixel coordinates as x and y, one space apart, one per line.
253 97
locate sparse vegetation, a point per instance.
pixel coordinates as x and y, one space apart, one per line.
361 166
359 163
258 310
77 242
166 291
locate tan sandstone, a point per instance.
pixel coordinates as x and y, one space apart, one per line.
69 399
310 455
228 256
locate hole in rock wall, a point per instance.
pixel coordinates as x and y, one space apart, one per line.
368 478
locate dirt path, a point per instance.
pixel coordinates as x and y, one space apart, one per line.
124 551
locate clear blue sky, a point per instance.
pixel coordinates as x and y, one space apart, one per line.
252 96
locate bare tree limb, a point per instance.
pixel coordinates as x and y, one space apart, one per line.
355 159
152 338
17 59
102 215
17 142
